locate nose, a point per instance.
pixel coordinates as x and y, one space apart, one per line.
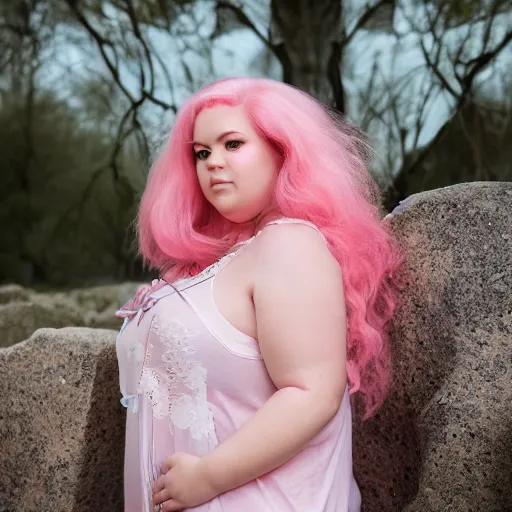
215 160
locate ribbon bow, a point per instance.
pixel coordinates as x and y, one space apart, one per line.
131 399
142 300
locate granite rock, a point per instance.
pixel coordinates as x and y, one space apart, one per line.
22 311
106 319
102 298
18 320
13 292
443 440
61 424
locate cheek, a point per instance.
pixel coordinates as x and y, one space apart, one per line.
254 163
245 157
200 173
203 180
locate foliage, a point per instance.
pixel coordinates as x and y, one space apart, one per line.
88 88
72 221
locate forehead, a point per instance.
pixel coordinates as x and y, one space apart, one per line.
222 118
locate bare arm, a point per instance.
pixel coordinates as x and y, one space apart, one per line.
301 324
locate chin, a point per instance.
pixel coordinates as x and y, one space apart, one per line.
238 217
236 211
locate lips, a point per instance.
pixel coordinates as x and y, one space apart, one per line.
216 181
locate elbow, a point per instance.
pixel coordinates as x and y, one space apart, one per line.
322 401
334 404
335 395
328 403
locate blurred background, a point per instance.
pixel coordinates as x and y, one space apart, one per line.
89 90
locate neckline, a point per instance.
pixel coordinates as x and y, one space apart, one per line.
232 251
238 245
278 220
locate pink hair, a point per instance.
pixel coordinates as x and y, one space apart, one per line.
323 179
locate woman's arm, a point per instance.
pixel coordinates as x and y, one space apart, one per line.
301 325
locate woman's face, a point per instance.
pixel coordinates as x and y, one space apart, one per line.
235 166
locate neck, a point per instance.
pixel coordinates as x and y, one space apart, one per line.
258 223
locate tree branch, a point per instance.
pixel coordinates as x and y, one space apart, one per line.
436 71
147 53
242 17
365 18
479 63
101 42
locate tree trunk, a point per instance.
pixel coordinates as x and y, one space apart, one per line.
306 36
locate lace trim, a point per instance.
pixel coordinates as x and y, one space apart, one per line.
181 394
211 270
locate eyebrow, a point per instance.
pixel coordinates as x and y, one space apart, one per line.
220 137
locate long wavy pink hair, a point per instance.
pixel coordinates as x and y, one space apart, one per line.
323 179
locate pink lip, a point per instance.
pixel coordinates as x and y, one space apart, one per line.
218 182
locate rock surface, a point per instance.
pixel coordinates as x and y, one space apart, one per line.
443 441
13 292
102 298
61 424
18 320
23 311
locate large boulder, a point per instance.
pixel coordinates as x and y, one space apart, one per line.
13 292
443 440
103 298
19 319
23 311
61 424
101 303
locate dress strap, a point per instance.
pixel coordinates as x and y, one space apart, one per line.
288 220
282 220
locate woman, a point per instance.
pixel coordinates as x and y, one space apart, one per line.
237 366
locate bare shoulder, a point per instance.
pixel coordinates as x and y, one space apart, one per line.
300 309
293 250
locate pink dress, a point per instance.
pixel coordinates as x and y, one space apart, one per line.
190 379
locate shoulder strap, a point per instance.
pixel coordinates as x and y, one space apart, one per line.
287 220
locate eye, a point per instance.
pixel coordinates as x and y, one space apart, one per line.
201 154
233 144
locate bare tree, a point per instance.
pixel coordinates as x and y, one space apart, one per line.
462 46
456 43
125 49
55 156
314 42
26 29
